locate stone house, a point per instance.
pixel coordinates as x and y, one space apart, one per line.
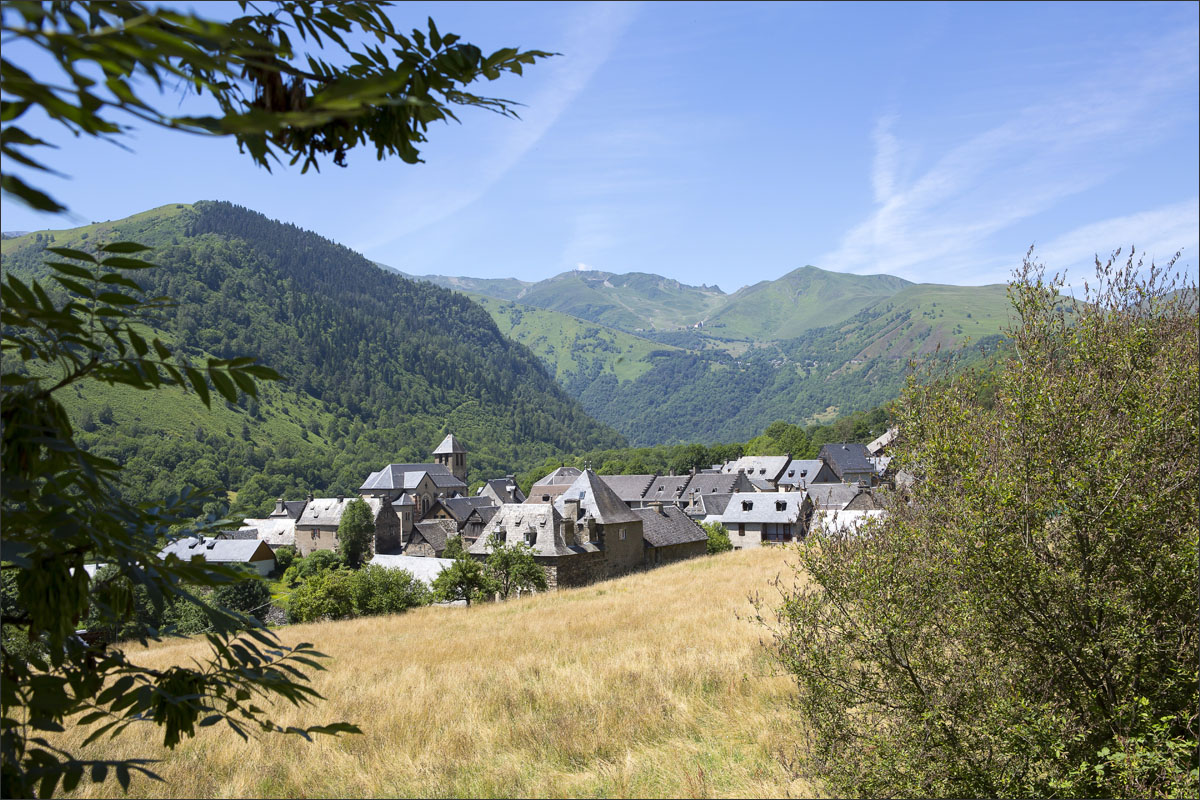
568 558
801 473
453 456
631 489
502 490
469 514
850 462
669 534
843 497
428 538
757 518
423 483
597 513
317 527
548 489
765 469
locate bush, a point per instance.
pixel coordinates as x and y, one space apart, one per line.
284 557
1026 624
718 538
345 593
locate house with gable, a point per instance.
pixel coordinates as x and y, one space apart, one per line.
757 518
253 554
547 489
317 527
631 489
668 534
502 490
801 473
469 514
428 538
423 483
763 472
850 462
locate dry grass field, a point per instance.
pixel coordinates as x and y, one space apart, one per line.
649 685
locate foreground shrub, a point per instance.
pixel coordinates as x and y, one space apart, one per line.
718 538
344 593
1027 624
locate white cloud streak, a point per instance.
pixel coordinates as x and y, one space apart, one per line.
586 46
938 226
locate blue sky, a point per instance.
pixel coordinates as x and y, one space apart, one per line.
730 143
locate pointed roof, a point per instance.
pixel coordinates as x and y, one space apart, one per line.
449 445
597 500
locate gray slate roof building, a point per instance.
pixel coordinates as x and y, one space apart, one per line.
708 505
663 526
449 446
219 551
832 496
564 476
504 489
883 442
534 524
763 507
629 488
597 500
326 512
436 532
716 483
767 468
288 509
406 477
668 489
847 458
801 472
546 494
461 507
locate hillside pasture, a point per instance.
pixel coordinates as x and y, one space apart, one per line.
656 684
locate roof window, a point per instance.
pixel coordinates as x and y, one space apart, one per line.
781 505
747 505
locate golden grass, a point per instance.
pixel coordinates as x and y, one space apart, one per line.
650 685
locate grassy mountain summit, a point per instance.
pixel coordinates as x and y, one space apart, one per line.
376 367
666 363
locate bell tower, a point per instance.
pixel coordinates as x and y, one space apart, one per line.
453 456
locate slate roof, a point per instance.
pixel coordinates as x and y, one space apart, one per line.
668 488
667 526
289 509
801 472
596 500
546 494
709 504
423 569
448 446
275 531
763 507
405 499
436 532
325 512
406 477
711 483
876 447
763 467
762 485
832 496
217 551
461 507
507 490
238 534
629 488
847 457
563 475
514 520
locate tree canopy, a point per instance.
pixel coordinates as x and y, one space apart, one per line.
1026 624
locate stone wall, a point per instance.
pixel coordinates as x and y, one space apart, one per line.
675 552
309 540
578 569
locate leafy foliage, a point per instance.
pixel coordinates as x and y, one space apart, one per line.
356 533
465 580
344 593
61 506
718 538
1027 624
512 568
277 100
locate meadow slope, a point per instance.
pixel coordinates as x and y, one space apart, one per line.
656 684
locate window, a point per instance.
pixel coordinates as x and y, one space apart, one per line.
781 505
530 538
622 535
741 529
747 505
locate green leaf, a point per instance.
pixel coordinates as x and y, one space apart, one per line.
197 381
67 252
125 247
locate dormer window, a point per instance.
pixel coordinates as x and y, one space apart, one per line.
747 505
781 505
530 537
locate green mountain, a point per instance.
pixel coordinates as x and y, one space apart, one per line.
807 347
376 368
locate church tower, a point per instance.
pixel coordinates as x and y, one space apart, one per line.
452 455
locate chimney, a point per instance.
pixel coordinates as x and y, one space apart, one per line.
310 497
571 509
341 497
278 507
570 537
658 506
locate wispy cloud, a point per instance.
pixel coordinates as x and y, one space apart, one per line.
940 225
1158 233
586 45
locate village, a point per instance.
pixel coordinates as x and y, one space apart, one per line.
580 527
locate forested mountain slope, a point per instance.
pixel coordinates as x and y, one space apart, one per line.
376 367
807 347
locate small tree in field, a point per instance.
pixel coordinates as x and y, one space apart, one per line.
356 533
512 568
465 579
1026 624
454 548
718 538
